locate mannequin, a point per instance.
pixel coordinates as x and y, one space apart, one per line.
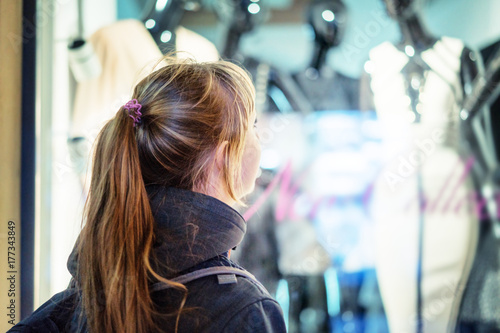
238 18
336 296
328 19
163 22
271 83
424 190
167 18
480 310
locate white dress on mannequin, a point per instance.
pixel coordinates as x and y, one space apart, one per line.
422 160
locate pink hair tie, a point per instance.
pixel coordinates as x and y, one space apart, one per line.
134 106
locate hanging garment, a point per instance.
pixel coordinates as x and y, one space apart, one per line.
425 183
127 54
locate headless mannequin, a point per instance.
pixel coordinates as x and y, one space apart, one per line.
424 189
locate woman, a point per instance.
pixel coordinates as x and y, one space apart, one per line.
166 170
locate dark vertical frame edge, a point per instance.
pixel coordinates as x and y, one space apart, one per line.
28 157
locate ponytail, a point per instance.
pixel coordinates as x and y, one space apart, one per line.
116 241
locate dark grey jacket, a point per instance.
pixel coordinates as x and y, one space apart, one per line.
194 231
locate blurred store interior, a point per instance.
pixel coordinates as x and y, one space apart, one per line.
376 208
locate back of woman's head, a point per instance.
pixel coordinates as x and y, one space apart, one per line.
188 111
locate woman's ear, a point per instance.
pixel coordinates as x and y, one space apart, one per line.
220 155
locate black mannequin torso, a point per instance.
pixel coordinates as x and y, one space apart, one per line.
327 90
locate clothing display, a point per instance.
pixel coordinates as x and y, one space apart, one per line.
194 232
424 188
376 179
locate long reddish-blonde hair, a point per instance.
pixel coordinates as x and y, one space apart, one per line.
188 110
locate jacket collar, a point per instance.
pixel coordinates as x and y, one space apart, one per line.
190 228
